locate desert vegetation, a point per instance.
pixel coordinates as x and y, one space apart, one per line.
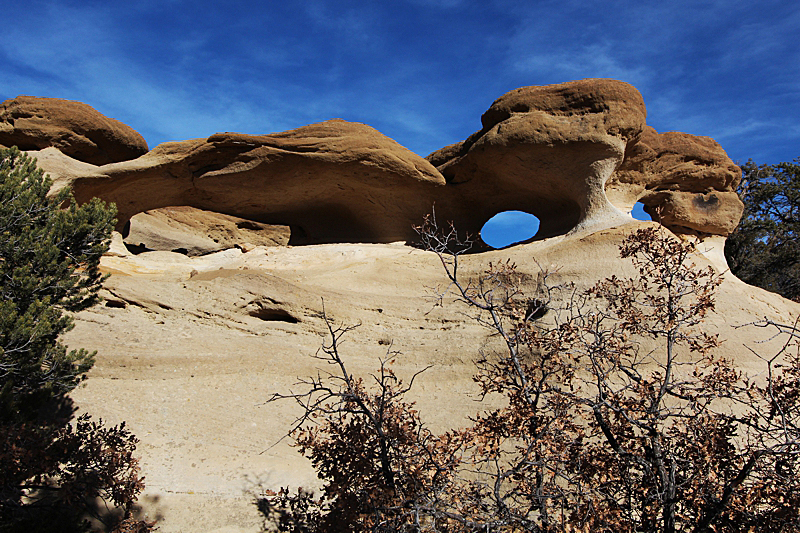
58 472
617 413
608 407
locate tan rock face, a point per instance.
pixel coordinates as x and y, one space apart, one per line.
196 232
78 130
687 182
336 181
190 348
546 151
577 155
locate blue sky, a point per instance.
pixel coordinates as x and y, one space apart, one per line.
420 71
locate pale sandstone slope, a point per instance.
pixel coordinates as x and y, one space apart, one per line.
202 342
191 344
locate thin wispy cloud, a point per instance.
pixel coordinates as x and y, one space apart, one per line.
597 59
420 71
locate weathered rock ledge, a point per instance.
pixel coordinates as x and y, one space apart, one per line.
191 344
577 155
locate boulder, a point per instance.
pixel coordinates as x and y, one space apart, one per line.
687 182
197 232
78 130
547 151
335 181
712 213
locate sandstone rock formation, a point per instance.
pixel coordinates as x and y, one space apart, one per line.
78 130
191 344
189 349
577 155
335 181
547 151
196 232
687 182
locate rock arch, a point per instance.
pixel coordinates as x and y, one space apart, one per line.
576 155
686 182
547 151
510 227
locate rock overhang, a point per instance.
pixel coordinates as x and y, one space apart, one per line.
577 155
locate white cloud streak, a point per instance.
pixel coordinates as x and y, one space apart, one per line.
725 69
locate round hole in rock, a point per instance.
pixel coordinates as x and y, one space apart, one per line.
639 213
509 227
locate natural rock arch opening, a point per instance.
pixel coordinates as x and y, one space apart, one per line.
639 213
509 227
577 155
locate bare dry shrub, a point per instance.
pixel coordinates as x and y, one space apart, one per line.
598 434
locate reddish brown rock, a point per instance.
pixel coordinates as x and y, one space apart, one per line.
714 212
78 130
687 182
335 181
546 151
577 155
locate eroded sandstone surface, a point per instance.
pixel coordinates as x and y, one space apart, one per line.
190 348
210 308
577 155
76 129
197 232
